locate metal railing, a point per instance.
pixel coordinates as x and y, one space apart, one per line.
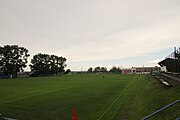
165 107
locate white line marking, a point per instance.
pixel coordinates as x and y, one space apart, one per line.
108 108
113 102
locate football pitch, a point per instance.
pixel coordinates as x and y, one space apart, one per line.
113 97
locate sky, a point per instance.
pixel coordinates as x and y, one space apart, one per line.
92 33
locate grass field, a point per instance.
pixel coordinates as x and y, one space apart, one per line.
116 97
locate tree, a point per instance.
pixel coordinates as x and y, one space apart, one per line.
13 59
115 69
67 71
100 70
44 64
90 70
97 69
103 69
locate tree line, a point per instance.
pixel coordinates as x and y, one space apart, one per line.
14 59
99 69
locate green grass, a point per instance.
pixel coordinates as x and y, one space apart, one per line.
116 97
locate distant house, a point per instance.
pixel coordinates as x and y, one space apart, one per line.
128 71
140 70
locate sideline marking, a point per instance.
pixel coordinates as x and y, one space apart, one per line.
109 107
114 101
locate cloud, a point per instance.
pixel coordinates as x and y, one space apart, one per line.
128 43
154 61
91 30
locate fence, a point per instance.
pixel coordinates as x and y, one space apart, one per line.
165 107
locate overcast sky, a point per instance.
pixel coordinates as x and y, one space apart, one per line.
93 32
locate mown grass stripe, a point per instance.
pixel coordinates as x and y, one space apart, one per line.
38 94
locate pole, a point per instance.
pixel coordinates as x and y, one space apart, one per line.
74 114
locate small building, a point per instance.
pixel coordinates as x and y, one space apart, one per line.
172 62
128 71
140 70
146 70
172 65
